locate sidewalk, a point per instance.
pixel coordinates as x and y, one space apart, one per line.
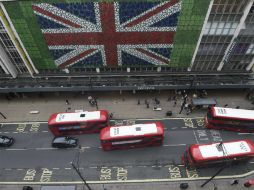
193 185
123 106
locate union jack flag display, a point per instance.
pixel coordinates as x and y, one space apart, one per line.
111 34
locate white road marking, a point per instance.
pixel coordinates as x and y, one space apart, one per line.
168 118
55 168
6 132
32 122
85 147
174 145
45 131
20 169
7 169
45 148
67 168
94 167
18 149
15 149
195 136
156 166
245 133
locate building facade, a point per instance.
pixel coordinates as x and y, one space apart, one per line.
80 36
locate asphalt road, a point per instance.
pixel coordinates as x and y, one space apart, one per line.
31 159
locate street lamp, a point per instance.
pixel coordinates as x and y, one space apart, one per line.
222 148
80 175
77 169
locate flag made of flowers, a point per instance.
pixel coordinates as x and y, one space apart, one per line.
109 33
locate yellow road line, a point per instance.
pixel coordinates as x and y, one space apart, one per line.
126 181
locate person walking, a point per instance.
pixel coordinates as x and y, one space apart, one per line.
175 102
96 103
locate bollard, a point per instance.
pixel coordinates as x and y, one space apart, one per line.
27 188
184 185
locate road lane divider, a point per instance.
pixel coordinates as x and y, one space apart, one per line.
174 145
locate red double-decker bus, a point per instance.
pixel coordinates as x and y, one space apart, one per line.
230 119
78 123
212 154
132 136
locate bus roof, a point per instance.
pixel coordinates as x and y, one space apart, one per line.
58 118
132 130
233 113
201 153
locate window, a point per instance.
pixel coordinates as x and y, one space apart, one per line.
220 28
250 49
82 115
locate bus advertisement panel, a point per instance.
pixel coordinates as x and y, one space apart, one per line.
230 119
72 123
218 153
132 136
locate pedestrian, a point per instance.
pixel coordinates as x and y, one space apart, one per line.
188 111
147 105
67 102
248 96
234 182
186 106
96 104
175 102
182 106
174 98
156 100
90 98
146 101
190 108
110 115
138 101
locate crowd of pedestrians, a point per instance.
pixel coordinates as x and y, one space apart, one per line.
180 97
